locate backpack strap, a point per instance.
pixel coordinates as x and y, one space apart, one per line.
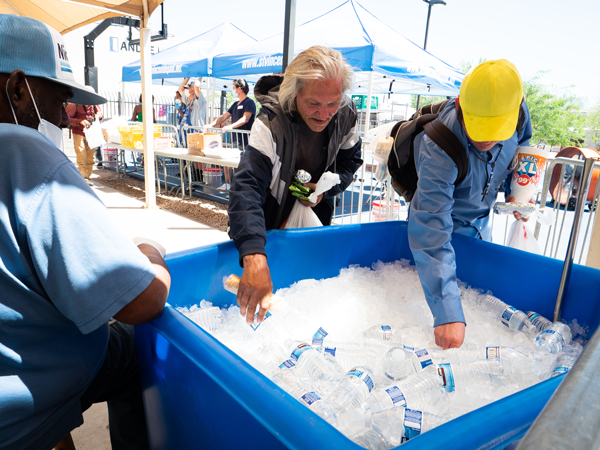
447 141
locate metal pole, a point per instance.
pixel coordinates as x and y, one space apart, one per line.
289 30
571 419
147 114
584 185
425 45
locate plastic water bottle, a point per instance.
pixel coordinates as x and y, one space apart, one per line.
481 353
210 319
285 377
565 362
270 329
345 354
508 315
385 333
457 376
399 362
351 391
371 440
416 391
401 424
539 322
554 338
312 367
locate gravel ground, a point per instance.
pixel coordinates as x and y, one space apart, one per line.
203 211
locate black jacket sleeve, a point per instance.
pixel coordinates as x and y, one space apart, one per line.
248 193
346 164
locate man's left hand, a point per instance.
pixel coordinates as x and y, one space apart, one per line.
312 186
227 128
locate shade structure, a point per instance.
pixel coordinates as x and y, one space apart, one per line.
192 58
367 44
68 16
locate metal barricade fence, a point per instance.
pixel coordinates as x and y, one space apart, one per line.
554 238
123 105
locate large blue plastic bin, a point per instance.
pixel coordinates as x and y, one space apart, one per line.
200 395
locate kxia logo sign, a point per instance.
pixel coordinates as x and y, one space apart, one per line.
528 169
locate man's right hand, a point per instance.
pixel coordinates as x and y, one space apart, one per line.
255 287
84 123
450 335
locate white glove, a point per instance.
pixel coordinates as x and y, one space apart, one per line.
142 240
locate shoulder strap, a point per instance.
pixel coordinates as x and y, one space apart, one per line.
447 141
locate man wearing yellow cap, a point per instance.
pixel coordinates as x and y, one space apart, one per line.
485 118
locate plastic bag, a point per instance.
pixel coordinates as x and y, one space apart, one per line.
302 217
326 182
521 238
93 135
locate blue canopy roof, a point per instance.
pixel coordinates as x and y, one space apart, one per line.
366 43
192 58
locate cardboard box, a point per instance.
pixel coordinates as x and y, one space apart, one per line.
199 141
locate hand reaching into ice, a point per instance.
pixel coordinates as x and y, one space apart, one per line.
450 335
518 216
255 287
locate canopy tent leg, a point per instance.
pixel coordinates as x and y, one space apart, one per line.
367 117
147 114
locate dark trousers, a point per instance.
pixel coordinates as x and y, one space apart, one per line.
118 383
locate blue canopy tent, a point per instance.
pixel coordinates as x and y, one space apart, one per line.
192 58
370 46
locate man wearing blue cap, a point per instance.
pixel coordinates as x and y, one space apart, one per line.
65 268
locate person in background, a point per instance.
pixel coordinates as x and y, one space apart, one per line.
66 267
137 115
194 100
81 117
242 114
491 121
306 122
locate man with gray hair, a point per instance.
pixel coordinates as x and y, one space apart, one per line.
306 122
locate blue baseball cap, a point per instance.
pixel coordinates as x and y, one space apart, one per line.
39 51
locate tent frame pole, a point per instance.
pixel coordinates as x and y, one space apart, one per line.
147 108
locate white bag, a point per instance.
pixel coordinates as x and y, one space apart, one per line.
302 217
326 182
521 238
93 135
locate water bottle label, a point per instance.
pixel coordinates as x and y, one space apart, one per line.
447 376
301 348
254 325
396 396
412 422
507 314
387 332
424 358
310 397
317 339
532 316
410 349
558 371
492 353
288 363
331 351
361 375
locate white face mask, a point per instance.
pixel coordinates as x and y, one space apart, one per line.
51 131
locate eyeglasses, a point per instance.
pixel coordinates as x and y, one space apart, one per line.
492 165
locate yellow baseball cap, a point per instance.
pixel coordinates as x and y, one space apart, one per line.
490 97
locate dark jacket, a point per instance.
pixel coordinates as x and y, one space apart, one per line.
259 194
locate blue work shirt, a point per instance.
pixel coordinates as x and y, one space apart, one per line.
439 208
65 270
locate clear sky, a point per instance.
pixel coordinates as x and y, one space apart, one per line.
536 35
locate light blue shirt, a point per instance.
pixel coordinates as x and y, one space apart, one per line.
65 270
440 208
196 110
